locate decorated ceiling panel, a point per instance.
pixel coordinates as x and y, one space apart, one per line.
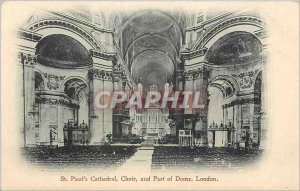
62 51
151 39
234 48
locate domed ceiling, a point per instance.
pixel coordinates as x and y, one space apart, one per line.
62 51
150 44
234 48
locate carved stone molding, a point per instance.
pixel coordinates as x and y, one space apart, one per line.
246 79
27 59
225 24
53 81
186 54
100 74
63 102
179 65
118 73
198 73
34 37
68 25
103 55
261 33
242 102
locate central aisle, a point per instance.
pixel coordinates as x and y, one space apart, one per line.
142 160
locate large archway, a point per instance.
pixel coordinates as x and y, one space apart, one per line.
234 48
234 59
257 117
39 86
222 90
62 99
150 44
77 89
62 51
48 27
245 23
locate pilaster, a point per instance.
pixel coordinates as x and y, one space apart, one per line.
100 119
28 62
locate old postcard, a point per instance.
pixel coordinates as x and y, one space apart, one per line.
160 95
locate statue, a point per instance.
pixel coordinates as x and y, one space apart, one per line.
242 46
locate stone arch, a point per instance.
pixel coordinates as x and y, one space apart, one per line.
44 27
62 51
39 80
242 23
145 35
258 75
229 80
37 70
62 86
167 15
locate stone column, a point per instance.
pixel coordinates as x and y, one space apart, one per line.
251 121
177 114
189 86
120 113
100 119
226 115
60 125
237 121
27 62
179 78
108 113
201 79
264 139
223 114
44 132
233 135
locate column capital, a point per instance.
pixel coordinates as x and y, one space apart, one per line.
187 54
197 73
241 102
52 100
103 55
100 74
118 73
26 59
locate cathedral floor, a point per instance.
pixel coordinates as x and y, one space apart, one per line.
142 158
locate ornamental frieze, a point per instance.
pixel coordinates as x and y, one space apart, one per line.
188 54
196 74
31 36
102 55
63 102
225 24
53 81
100 74
118 73
62 23
242 102
246 79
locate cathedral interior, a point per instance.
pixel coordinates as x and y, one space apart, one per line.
69 56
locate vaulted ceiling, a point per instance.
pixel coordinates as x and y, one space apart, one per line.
150 42
234 48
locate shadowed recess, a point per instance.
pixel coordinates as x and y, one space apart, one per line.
62 51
